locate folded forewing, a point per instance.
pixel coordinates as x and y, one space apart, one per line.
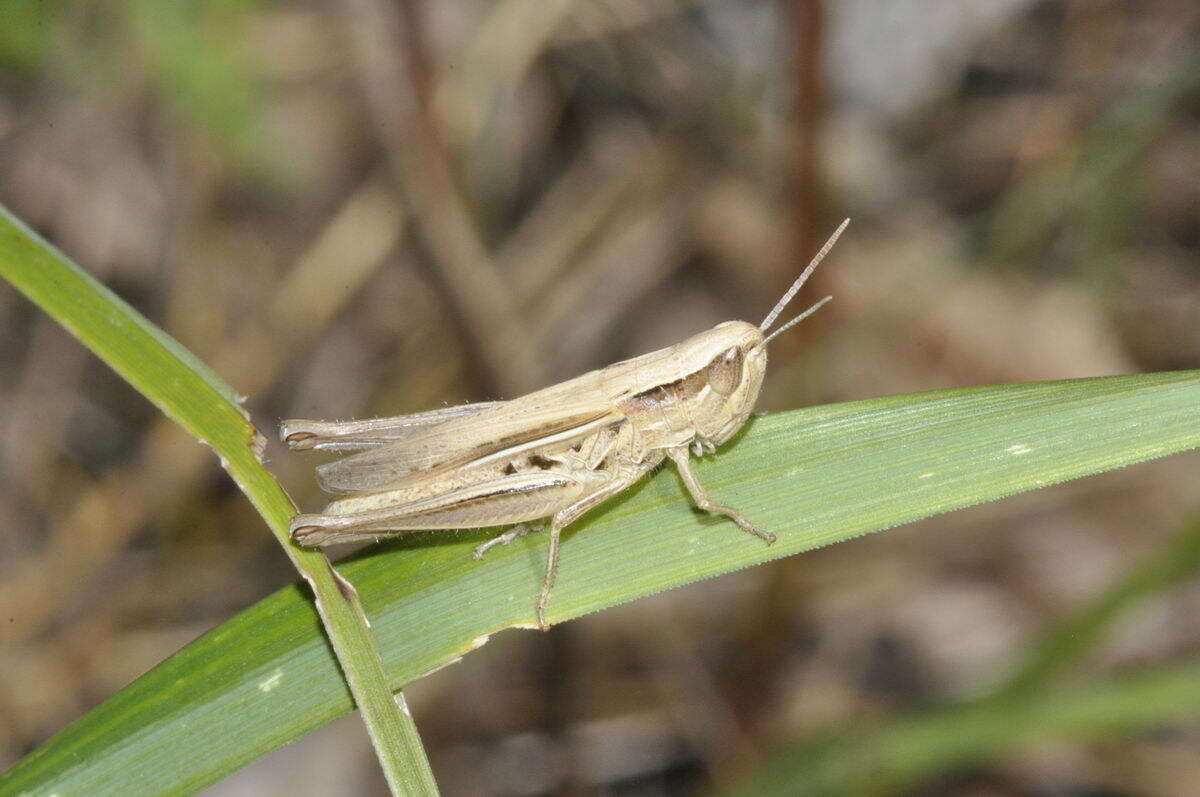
304 435
514 426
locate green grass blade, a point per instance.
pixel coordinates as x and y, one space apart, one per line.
195 397
1176 561
883 761
814 476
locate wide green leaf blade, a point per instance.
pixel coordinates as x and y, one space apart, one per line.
814 476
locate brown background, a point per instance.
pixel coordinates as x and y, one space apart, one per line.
354 207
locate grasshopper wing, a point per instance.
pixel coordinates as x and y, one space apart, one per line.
504 430
303 435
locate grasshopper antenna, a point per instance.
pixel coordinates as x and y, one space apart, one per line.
793 322
797 285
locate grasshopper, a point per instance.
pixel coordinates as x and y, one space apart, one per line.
555 453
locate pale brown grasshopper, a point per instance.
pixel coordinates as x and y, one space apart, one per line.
555 453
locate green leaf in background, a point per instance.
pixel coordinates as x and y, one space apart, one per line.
206 70
881 760
27 32
814 476
891 755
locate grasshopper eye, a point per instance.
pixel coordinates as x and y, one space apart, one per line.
725 371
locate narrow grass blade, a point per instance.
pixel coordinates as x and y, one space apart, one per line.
1177 561
193 395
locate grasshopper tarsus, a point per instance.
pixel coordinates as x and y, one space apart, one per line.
542 602
517 531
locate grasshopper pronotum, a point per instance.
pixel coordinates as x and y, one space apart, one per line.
554 453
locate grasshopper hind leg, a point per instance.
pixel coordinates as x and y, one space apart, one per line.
316 530
569 515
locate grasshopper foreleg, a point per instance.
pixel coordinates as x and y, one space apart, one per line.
703 501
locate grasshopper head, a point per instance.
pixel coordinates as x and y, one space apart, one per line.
732 361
